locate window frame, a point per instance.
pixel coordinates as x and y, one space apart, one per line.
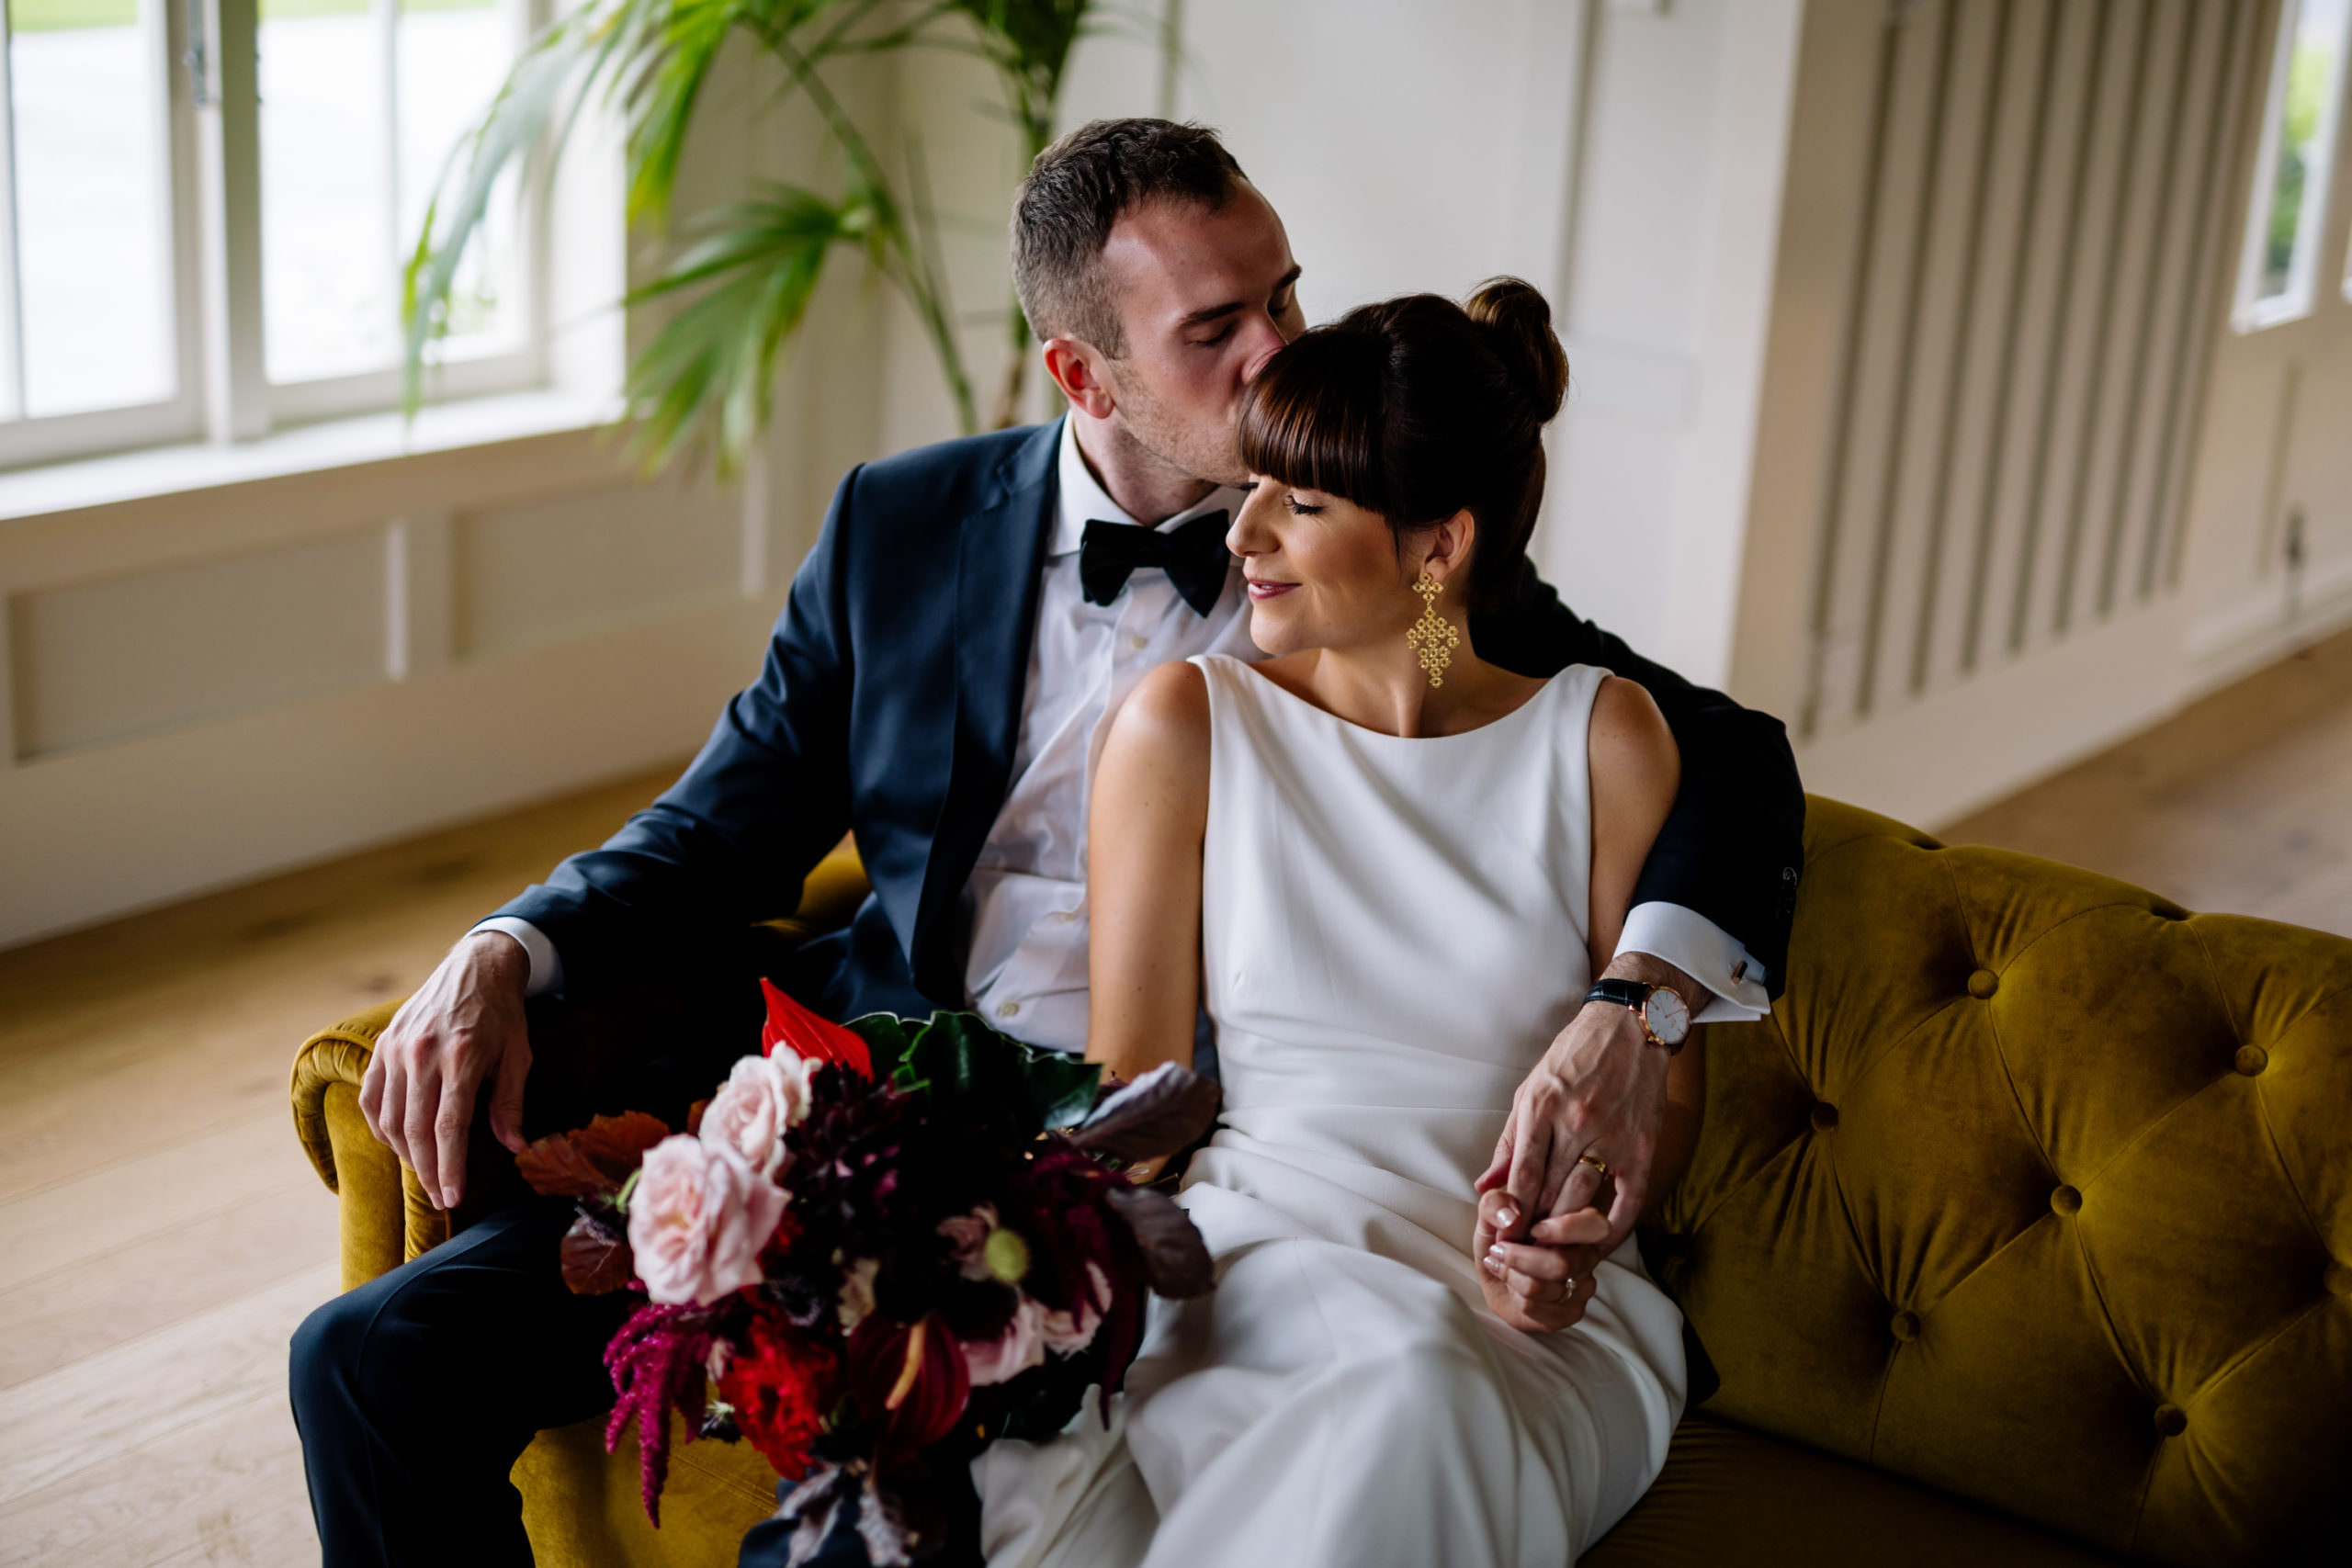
2249 312
203 60
54 437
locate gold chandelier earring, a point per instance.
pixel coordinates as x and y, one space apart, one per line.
1432 638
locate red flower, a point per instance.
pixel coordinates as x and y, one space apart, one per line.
912 1382
817 1039
656 1362
781 1383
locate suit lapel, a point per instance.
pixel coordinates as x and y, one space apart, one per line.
1000 554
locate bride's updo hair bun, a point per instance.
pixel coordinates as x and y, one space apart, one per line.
1522 324
1416 409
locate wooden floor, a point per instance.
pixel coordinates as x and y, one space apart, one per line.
160 1234
2241 803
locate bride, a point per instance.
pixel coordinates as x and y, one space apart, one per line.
1389 871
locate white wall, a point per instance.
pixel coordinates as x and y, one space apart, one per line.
1667 284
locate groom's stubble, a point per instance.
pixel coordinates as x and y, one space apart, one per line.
1201 448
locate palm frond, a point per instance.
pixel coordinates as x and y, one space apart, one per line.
708 377
746 278
528 103
667 73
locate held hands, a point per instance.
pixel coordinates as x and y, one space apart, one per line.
464 1027
1544 1282
1596 1100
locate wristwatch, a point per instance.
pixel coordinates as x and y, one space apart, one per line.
1663 1016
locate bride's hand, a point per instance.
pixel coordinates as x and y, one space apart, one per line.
1537 1288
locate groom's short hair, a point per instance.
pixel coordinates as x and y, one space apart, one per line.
1074 194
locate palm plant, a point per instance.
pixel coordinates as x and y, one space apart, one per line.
743 281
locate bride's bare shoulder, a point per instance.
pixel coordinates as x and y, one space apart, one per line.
1165 720
1631 751
1173 697
1154 772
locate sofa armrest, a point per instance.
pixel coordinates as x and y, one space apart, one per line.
386 1217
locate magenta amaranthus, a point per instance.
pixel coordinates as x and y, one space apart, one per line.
886 1245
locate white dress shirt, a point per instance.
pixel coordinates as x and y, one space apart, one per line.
1025 902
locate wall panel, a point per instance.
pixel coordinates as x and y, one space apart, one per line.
555 567
131 655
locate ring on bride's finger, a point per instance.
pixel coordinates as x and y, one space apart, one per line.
1598 1164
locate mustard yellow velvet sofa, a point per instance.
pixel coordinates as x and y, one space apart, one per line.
2020 1233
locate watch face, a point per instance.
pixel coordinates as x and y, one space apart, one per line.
1668 1019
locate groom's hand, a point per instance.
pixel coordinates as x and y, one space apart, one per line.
464 1027
1599 1092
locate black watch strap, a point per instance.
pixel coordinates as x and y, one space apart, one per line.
1624 993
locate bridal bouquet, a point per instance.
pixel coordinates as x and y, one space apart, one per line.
877 1247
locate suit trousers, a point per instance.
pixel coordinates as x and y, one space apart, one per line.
415 1394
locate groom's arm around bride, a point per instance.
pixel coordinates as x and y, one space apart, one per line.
928 643
895 703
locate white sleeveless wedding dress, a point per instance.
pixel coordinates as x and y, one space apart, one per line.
1392 932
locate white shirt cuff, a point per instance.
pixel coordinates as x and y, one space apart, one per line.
1705 951
546 965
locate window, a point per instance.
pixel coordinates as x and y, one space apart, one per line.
157 283
2291 179
361 103
90 350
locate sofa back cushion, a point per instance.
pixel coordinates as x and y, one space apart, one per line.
2035 1189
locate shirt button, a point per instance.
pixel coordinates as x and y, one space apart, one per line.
1008 1010
1135 643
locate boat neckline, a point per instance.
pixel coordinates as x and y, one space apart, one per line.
1533 698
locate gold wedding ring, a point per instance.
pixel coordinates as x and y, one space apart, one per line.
1599 1165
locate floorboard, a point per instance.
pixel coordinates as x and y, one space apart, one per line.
2241 803
160 1234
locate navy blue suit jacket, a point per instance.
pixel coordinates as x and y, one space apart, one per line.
890 704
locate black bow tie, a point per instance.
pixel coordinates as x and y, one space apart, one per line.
1193 554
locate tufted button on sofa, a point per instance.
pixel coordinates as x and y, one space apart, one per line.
2020 1234
2075 1249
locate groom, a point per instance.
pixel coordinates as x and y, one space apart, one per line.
970 617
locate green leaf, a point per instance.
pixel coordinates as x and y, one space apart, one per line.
705 377
710 373
663 88
546 75
886 1037
971 1069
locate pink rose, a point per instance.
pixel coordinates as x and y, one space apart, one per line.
698 1219
1021 1347
1067 1333
763 1099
